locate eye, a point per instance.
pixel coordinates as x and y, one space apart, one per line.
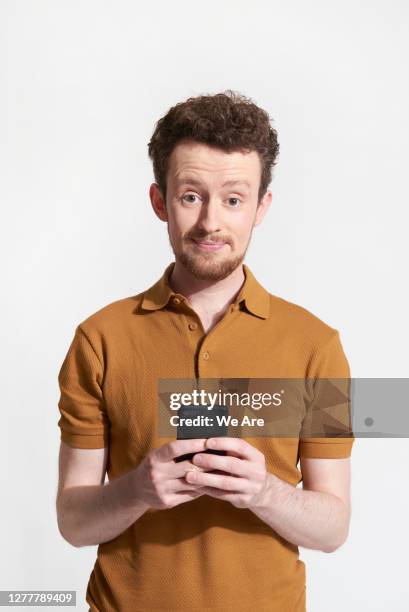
237 200
189 195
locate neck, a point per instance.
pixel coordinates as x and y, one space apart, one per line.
207 295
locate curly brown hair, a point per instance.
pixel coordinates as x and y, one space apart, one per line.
227 120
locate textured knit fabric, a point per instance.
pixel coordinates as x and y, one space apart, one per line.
205 554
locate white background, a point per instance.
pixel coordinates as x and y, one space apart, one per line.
82 85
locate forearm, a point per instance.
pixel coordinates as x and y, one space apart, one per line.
90 515
311 519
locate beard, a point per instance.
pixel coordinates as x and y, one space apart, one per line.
210 266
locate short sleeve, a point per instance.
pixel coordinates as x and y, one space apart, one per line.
83 421
331 411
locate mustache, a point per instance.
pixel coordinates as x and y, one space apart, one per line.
209 239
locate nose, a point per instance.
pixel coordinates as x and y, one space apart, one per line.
208 221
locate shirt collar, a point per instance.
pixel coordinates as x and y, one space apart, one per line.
253 295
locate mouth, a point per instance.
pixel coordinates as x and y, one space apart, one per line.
208 245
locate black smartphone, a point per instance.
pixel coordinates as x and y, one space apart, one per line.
212 428
189 456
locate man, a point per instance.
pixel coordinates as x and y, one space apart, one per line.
214 532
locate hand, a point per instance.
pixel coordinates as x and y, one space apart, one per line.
159 481
244 478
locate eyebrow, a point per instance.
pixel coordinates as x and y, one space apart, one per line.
230 183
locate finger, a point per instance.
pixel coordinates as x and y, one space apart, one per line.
235 445
182 498
219 493
180 485
175 448
178 470
225 463
219 481
192 494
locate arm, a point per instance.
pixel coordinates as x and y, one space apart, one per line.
88 511
316 516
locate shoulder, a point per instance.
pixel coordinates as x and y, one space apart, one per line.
317 343
299 321
123 306
111 320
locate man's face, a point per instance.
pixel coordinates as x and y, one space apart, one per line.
211 207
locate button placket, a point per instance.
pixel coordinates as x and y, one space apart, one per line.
205 361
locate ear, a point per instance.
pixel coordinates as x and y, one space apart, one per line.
263 207
158 202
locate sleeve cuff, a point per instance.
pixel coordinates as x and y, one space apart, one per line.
340 449
85 440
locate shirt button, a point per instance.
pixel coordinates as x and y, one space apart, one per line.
206 355
192 325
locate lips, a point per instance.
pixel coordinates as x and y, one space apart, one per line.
206 242
206 245
209 242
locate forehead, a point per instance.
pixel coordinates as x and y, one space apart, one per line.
190 158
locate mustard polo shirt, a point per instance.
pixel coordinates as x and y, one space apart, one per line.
205 554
